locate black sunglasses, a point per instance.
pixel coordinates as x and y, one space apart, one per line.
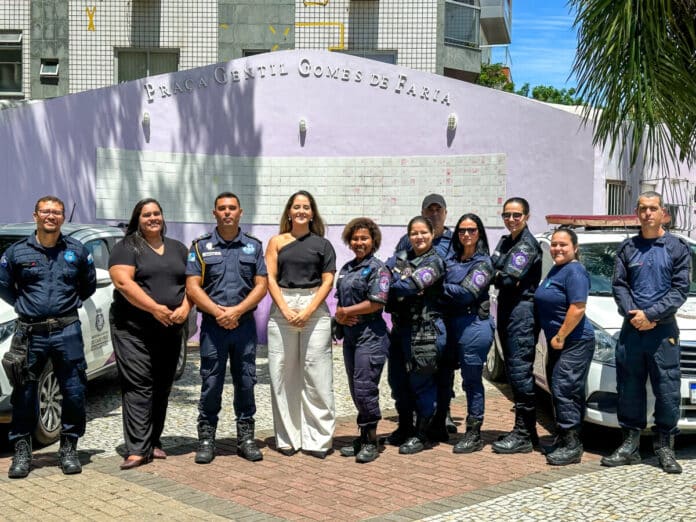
470 231
513 215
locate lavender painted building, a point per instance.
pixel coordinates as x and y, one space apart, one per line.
366 138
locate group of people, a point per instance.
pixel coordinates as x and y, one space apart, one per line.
435 286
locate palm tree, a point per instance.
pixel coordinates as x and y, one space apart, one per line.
636 60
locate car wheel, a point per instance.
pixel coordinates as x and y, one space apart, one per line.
50 407
495 366
181 362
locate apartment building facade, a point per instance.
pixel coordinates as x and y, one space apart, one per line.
50 48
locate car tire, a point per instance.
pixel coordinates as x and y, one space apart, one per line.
495 366
181 362
50 407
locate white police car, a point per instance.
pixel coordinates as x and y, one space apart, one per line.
94 316
598 240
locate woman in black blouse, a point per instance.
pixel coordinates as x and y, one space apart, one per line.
148 315
301 265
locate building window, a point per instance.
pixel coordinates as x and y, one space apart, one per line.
616 197
11 64
133 64
253 52
379 56
462 23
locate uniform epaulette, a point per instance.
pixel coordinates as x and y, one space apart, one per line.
207 235
247 234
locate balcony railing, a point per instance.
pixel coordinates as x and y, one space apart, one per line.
462 24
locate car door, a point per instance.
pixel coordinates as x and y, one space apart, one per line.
94 313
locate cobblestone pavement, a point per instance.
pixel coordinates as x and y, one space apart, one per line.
433 485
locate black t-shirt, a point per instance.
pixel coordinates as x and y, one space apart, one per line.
162 277
301 262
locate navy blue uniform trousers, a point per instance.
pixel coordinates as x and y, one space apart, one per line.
65 349
217 345
365 349
654 354
567 370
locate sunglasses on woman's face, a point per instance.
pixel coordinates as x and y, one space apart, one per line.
464 231
513 215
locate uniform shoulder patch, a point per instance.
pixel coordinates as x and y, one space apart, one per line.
202 237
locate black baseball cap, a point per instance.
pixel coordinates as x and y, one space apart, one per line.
436 199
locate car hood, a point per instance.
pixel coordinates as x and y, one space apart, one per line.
603 311
7 312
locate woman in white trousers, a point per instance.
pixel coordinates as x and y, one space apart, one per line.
301 265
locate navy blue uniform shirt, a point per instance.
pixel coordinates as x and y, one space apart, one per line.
47 282
466 283
416 284
564 284
228 268
518 265
367 279
653 275
442 244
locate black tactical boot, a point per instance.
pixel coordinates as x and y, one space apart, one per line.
626 454
206 444
21 461
403 432
418 442
438 427
663 444
352 449
67 454
246 444
471 441
449 423
569 450
520 439
369 450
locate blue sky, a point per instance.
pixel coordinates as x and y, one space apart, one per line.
543 44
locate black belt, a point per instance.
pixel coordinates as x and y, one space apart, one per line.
47 324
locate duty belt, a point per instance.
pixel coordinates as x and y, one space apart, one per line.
40 325
366 318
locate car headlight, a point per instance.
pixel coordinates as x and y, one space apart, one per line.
7 329
605 346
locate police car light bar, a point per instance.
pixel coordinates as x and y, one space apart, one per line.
606 221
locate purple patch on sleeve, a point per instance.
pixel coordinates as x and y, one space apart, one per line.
479 279
384 283
426 276
520 259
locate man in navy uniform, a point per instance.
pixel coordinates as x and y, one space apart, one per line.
434 208
226 279
46 277
652 277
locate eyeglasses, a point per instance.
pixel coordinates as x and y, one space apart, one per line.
513 215
465 231
49 212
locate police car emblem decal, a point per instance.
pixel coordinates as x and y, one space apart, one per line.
69 256
519 259
479 279
99 322
192 256
248 249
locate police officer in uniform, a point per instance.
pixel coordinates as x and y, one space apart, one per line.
226 279
652 276
517 264
47 276
434 208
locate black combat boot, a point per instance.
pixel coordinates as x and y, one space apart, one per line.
403 432
67 455
246 444
369 449
206 444
417 443
522 437
438 426
626 454
352 449
663 444
21 460
568 451
471 441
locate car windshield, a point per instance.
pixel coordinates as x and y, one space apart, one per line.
598 258
6 241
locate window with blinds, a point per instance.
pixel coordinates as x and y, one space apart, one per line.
616 197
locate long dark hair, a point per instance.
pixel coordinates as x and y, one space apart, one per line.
481 243
134 237
316 224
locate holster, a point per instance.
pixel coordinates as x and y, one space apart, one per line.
14 361
336 330
424 354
